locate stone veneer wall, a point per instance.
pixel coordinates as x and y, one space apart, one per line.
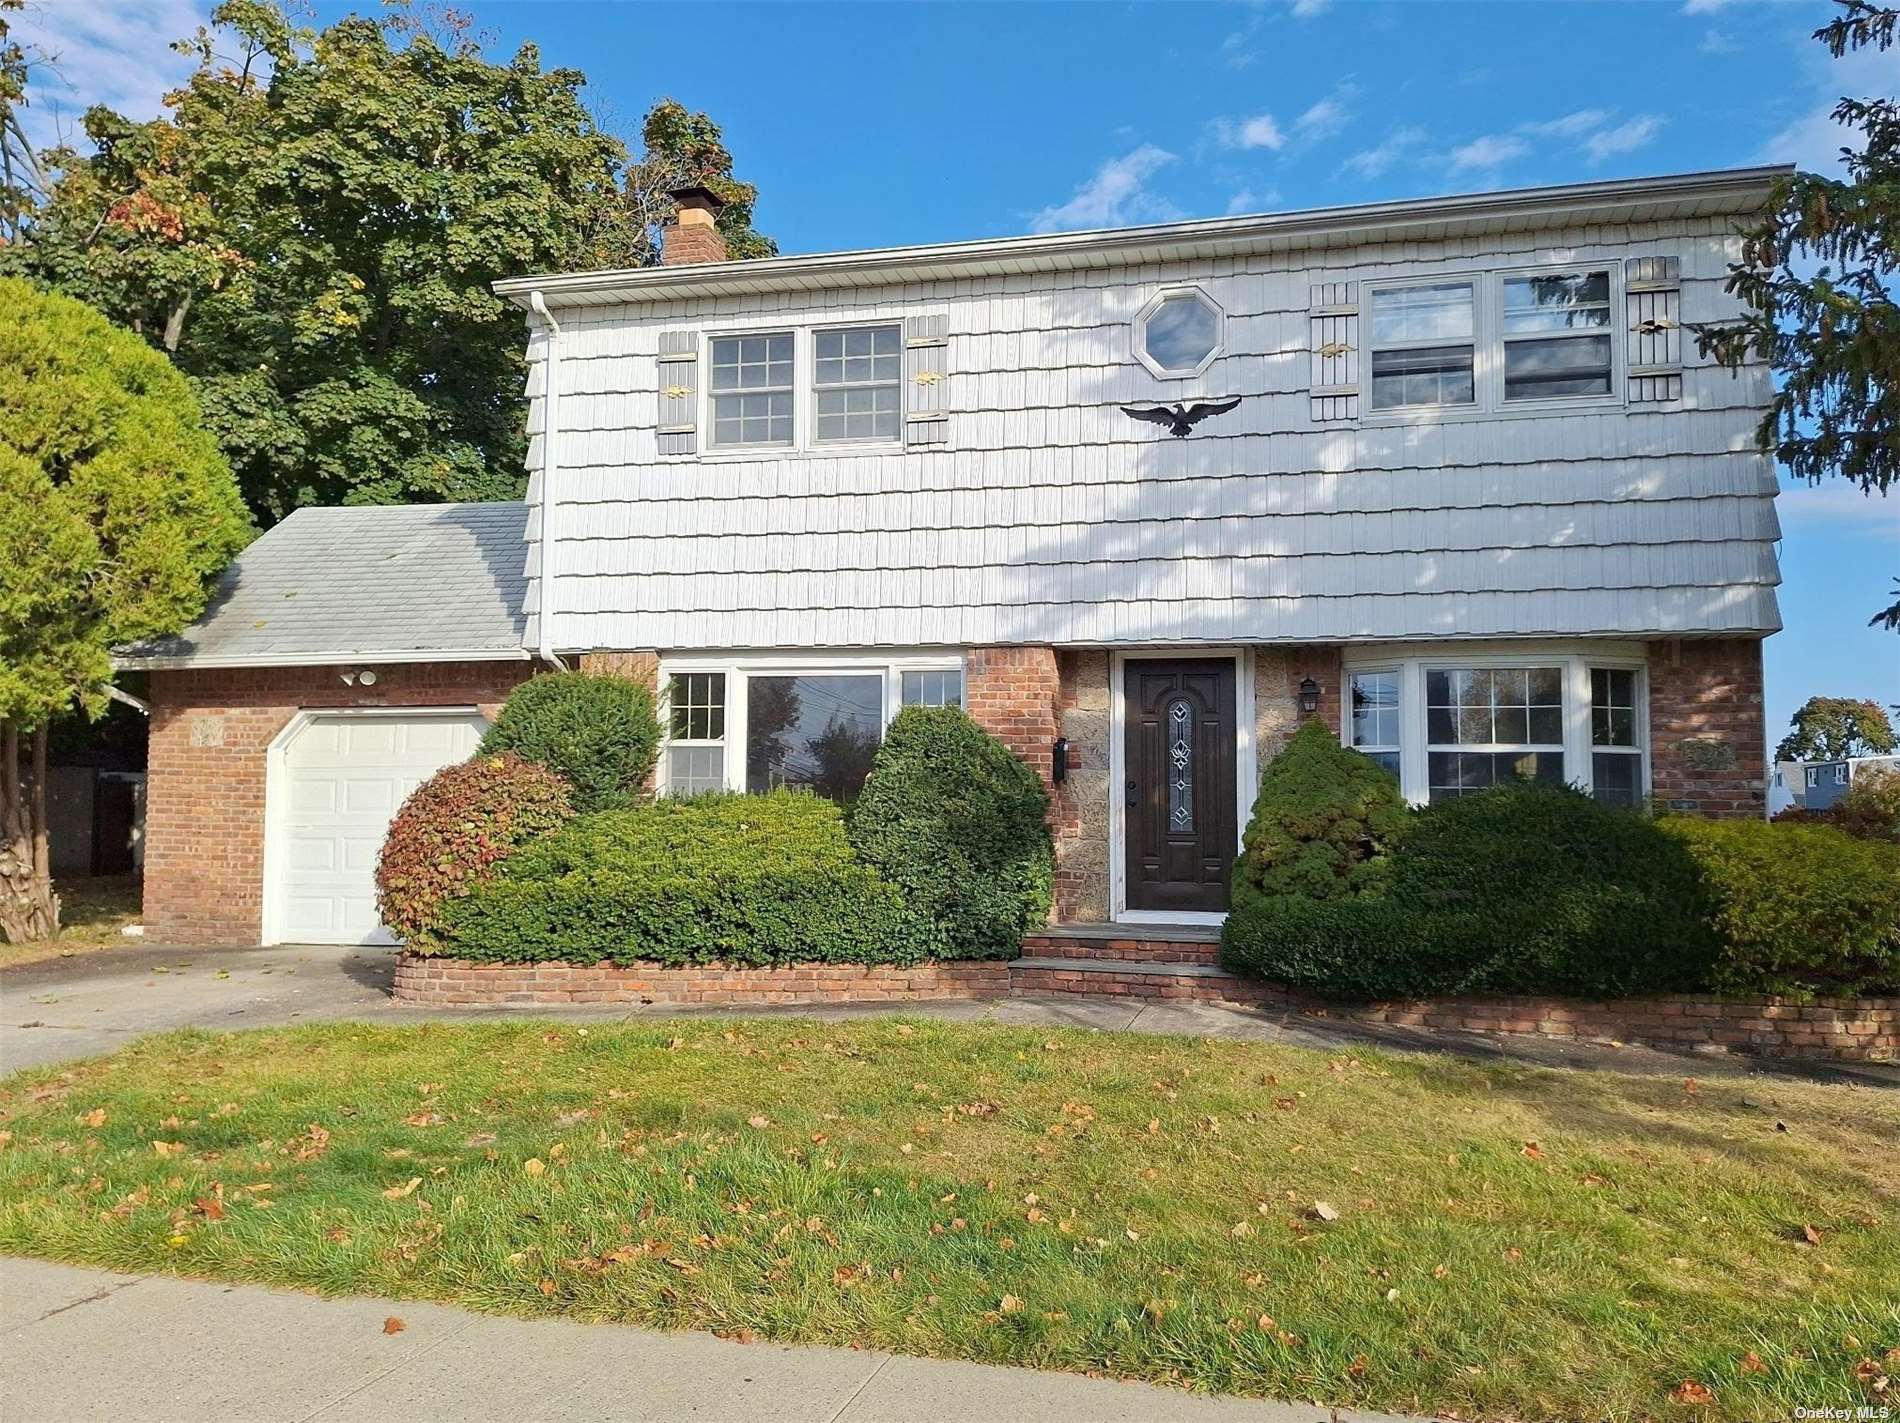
1707 730
209 735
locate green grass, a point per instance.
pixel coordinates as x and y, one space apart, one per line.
1509 1242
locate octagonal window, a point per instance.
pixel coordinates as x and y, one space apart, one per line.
1179 333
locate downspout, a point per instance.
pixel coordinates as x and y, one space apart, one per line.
550 467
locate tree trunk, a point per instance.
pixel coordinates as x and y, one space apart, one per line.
175 324
28 908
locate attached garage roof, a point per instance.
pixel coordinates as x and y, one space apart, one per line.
411 582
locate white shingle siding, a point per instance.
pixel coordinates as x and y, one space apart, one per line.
1046 515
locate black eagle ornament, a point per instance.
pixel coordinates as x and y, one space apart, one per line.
1181 417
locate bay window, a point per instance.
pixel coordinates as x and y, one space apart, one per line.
762 723
1449 724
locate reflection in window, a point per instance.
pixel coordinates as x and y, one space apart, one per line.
1181 332
1556 336
819 732
1616 752
696 749
752 389
1487 725
1375 717
1422 346
933 689
858 375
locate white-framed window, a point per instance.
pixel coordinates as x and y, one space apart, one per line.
1556 333
752 389
1840 774
1495 341
696 733
1179 333
1616 752
857 383
1423 345
1374 730
1449 723
1813 775
759 722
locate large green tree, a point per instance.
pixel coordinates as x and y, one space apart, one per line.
117 511
313 229
1818 275
1835 728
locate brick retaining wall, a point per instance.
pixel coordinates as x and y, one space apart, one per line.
1848 1029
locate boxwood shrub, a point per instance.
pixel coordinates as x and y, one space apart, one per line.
1519 889
960 825
733 879
455 830
599 732
1800 908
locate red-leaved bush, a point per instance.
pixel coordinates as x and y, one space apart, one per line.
455 829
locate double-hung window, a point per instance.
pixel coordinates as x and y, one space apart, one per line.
1556 332
1616 748
752 390
1375 716
857 383
1423 343
696 741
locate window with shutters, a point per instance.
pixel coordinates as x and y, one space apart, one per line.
752 390
857 384
1423 350
1556 333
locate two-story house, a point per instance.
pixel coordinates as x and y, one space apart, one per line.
1479 505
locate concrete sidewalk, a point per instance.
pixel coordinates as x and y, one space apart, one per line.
78 1345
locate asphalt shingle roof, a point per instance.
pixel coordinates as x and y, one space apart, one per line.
329 584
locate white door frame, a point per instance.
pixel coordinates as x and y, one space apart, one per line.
1246 774
275 808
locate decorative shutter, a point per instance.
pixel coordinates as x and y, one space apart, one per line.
925 346
1652 288
679 392
1334 323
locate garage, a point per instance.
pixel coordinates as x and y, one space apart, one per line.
337 780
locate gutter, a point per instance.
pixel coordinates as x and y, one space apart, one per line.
550 467
1736 190
185 662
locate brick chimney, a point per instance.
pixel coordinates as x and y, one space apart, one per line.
693 235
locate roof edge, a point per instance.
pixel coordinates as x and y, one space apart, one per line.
131 662
1735 189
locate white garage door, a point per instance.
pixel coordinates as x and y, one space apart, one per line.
342 780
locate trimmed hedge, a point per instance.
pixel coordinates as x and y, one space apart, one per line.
1799 907
1323 825
599 732
960 825
732 879
455 830
1520 889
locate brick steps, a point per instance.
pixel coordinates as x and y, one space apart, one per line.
1135 978
1194 944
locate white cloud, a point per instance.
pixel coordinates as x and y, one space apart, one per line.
1490 151
1307 9
111 52
1814 140
1325 118
1624 138
1117 194
1260 131
1841 506
1570 125
1248 201
1719 42
1704 7
1371 162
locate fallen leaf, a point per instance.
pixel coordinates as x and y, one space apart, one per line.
95 1118
168 1148
1693 1393
393 1325
209 1208
1751 1363
1534 1151
761 1123
1811 1235
534 1166
1325 1210
396 1193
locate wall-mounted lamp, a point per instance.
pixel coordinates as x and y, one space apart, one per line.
1309 696
364 678
1059 761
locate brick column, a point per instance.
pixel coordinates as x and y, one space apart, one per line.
1707 736
1013 693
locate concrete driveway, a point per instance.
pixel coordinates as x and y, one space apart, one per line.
63 1009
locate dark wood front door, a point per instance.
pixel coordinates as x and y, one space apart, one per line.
1179 797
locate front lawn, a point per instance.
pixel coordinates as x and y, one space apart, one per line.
1401 1232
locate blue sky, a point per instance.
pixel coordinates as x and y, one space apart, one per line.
868 125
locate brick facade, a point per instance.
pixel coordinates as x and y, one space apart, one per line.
437 982
204 812
1707 732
